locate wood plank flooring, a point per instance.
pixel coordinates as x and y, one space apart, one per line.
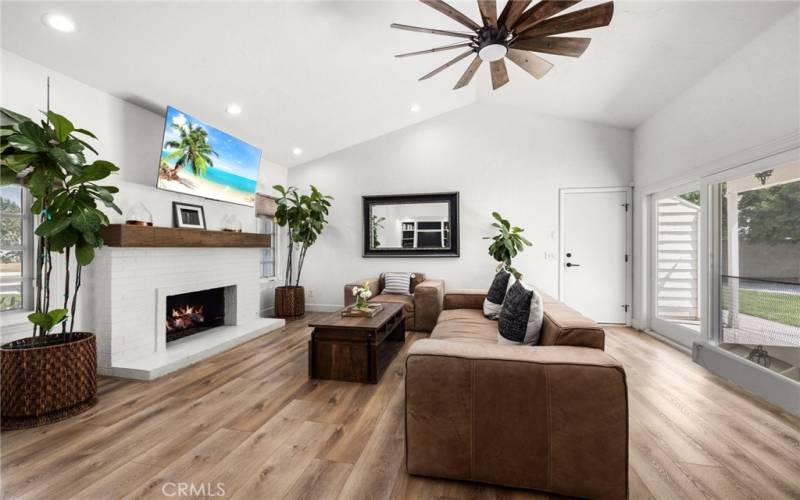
251 421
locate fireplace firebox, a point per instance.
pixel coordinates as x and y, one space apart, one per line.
194 312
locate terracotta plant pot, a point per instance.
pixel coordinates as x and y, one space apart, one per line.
290 301
42 385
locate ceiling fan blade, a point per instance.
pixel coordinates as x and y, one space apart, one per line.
435 49
499 73
540 12
511 13
559 45
531 63
452 13
447 64
430 30
488 10
469 73
593 17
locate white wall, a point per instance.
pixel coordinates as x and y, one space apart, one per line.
498 159
750 100
129 136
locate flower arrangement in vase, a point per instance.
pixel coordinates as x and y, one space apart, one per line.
362 294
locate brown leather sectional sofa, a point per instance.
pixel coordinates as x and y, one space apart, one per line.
552 417
422 307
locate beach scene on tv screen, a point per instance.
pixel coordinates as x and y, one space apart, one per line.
201 160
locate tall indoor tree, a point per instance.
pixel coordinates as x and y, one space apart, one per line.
304 216
49 159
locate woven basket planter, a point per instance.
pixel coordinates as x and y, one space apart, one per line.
290 301
42 385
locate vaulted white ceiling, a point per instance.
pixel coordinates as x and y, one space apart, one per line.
321 76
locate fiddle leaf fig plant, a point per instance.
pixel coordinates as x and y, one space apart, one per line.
506 244
49 159
305 217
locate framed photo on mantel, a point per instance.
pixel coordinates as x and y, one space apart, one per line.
188 216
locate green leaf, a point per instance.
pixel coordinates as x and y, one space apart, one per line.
61 125
42 320
67 161
98 170
87 145
19 161
15 117
52 226
84 253
86 221
84 132
7 176
57 316
67 238
26 143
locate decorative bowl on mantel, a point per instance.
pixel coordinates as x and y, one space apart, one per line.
139 215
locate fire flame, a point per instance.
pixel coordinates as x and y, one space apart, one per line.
185 316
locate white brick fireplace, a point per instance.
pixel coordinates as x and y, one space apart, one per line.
131 288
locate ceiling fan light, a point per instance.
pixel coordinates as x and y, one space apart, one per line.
492 52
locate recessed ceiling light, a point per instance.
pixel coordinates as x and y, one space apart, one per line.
297 151
414 108
233 109
58 22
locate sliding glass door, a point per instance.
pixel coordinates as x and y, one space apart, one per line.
675 297
758 228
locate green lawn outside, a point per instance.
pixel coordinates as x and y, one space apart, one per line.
779 307
10 301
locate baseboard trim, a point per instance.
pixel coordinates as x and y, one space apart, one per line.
776 389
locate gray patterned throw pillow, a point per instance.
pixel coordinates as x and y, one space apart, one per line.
493 302
521 317
397 283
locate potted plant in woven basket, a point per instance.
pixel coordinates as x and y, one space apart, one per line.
304 216
52 374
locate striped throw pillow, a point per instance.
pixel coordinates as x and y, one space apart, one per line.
397 283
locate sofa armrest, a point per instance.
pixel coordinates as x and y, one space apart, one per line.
464 299
566 327
372 283
549 418
428 299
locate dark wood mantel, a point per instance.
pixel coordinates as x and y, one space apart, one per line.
124 235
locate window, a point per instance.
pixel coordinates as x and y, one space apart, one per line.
759 268
15 250
267 226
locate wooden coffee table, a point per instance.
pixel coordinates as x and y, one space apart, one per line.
356 349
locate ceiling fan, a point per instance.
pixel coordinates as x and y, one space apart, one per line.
515 34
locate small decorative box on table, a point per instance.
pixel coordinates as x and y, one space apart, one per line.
356 349
369 312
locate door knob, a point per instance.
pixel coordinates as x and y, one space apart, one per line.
570 264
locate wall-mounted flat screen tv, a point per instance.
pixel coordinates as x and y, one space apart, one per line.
204 161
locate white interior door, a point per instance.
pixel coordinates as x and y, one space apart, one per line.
594 252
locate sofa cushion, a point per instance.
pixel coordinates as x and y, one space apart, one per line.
465 325
406 300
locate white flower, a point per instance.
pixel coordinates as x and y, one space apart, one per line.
355 291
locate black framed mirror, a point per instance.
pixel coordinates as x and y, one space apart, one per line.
411 225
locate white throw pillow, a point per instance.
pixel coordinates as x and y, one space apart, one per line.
521 317
397 283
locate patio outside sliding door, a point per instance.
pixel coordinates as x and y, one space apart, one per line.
675 297
758 223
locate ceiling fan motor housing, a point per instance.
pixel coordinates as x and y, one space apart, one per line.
492 44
